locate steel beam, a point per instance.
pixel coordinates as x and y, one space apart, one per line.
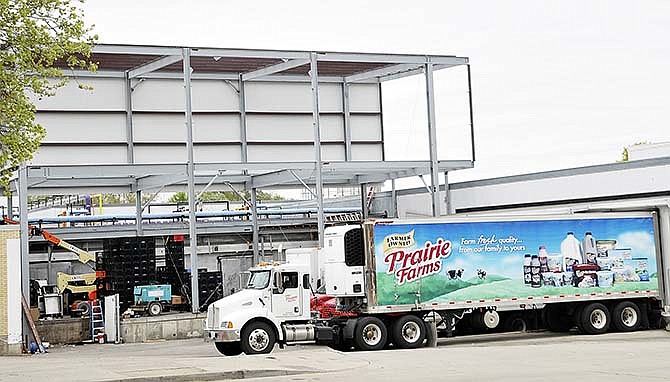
154 65
275 178
385 71
316 124
243 120
272 69
24 231
156 181
394 200
230 76
346 108
130 135
392 58
192 234
447 195
255 233
136 49
249 53
364 201
432 141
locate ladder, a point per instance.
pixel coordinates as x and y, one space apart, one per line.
97 320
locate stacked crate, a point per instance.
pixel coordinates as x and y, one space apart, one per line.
128 262
211 288
174 273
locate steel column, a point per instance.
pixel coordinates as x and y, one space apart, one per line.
130 139
448 209
243 120
347 120
138 212
10 206
314 74
364 201
192 234
472 124
25 263
432 141
394 199
255 233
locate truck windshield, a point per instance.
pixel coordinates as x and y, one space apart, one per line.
259 280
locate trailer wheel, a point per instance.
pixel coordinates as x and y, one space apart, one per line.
626 316
370 334
155 308
557 320
408 332
258 338
595 318
228 349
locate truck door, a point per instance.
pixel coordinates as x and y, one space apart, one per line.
287 296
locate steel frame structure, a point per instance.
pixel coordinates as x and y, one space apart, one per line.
283 66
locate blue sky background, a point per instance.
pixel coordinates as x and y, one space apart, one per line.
634 233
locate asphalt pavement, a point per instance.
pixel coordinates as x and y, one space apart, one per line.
640 356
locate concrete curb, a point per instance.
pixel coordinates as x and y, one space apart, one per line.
213 376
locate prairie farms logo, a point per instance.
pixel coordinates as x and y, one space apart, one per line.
409 264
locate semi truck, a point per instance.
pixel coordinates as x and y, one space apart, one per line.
395 280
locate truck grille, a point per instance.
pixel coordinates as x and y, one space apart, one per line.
213 317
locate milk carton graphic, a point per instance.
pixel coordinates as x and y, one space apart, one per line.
571 250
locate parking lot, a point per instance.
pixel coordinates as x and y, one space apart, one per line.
640 356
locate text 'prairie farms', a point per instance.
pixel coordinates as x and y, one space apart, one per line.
415 264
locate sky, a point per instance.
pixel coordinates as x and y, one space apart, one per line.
555 84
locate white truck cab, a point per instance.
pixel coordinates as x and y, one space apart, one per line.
272 308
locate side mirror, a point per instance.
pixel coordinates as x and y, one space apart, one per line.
278 287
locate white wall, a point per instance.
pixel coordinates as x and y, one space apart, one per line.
90 126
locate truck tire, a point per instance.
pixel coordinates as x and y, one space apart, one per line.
155 308
370 334
229 349
557 320
595 318
515 322
258 338
626 316
408 332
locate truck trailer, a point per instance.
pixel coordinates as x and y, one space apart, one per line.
395 280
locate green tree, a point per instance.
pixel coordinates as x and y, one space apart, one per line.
35 37
178 197
218 196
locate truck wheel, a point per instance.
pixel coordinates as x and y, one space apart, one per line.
515 323
557 320
595 318
258 338
228 349
626 316
408 332
155 308
370 334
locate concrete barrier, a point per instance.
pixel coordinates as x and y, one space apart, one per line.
65 331
177 326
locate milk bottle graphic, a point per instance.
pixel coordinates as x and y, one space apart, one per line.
535 277
571 250
526 269
589 247
542 254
